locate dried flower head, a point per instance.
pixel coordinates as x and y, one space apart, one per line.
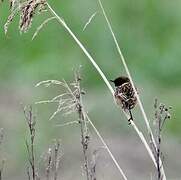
68 102
27 10
162 113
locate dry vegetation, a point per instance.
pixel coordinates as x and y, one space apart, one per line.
71 102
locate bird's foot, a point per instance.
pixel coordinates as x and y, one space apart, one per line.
129 121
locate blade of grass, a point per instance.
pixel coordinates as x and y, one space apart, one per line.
62 22
106 146
131 80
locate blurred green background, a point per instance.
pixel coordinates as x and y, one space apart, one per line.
149 35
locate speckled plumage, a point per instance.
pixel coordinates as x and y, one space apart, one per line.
124 94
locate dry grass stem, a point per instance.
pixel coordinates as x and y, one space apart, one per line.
62 22
161 115
52 161
85 138
107 148
131 80
41 26
30 119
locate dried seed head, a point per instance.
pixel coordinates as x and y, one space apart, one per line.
27 12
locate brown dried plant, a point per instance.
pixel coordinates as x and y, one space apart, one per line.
162 113
26 9
68 102
52 161
30 119
71 101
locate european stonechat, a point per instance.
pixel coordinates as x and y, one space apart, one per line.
124 94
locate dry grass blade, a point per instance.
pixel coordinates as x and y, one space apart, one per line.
62 22
106 147
48 83
89 21
41 26
66 101
10 19
67 124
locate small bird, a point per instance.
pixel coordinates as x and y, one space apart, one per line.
125 95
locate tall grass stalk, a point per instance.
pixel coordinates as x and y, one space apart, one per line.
106 146
62 22
131 80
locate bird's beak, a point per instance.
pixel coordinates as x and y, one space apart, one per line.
112 81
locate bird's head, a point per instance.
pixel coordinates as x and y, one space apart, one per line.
120 80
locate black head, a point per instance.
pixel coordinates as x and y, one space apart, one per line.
120 80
